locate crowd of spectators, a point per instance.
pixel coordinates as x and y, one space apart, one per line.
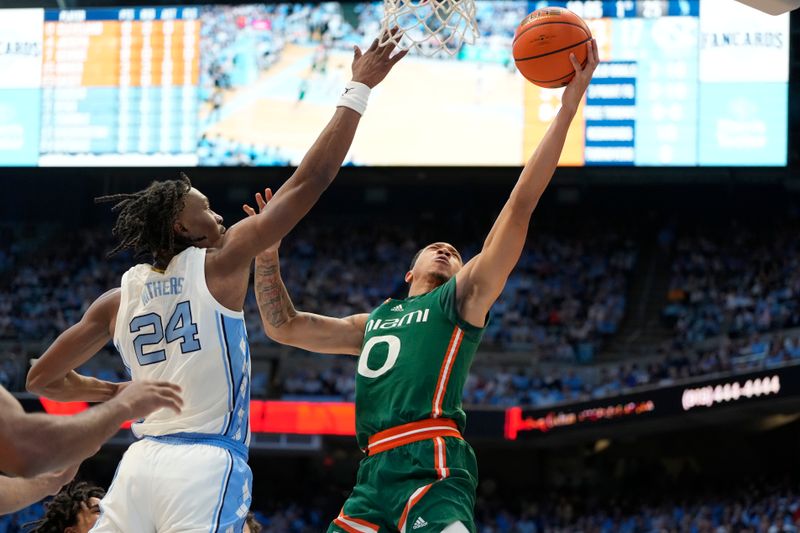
508 386
496 385
52 284
218 151
737 281
749 509
566 296
538 385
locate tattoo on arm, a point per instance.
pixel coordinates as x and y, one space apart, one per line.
273 299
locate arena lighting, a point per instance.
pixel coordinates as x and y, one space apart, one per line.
302 418
601 445
771 422
730 391
567 416
671 400
338 418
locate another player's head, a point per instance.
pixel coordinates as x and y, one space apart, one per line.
434 264
251 525
164 219
75 509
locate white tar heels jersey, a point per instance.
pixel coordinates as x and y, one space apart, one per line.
170 328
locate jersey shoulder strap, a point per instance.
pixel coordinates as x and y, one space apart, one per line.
188 263
447 301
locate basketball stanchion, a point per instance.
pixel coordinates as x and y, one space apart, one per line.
773 7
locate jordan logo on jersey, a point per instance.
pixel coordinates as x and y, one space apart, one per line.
414 317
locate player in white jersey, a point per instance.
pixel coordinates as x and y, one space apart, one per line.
179 319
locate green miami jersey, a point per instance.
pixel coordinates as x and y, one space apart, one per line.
414 362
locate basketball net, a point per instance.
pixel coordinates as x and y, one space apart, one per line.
429 26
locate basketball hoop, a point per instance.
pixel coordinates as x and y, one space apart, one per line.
430 26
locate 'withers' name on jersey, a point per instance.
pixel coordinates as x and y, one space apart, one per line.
414 317
161 287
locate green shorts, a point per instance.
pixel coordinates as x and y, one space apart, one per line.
420 487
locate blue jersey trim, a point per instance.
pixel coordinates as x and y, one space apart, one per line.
208 439
226 479
238 350
226 361
236 500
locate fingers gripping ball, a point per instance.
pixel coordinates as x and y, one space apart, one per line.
543 42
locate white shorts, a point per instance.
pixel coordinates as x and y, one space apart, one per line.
177 487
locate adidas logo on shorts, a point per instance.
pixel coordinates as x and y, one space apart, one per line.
398 307
419 523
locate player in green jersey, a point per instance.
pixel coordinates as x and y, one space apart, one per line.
415 355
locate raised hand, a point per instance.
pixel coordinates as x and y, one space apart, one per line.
372 66
143 397
261 202
573 94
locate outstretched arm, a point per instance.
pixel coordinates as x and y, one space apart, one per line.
284 324
18 493
31 444
317 170
53 375
481 280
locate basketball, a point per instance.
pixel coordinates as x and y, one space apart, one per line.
543 42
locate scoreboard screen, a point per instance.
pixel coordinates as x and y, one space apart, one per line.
120 83
681 83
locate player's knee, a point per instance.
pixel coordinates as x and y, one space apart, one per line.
456 527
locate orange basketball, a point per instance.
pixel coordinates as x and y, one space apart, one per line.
543 42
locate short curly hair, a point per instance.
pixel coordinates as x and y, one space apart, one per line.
145 218
62 511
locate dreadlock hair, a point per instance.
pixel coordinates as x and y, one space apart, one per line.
252 523
62 511
145 218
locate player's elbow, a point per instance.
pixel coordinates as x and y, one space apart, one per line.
18 466
280 333
293 331
520 208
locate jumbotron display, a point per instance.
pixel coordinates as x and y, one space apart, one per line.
681 83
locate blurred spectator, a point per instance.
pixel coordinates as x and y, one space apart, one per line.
506 385
737 281
75 509
760 508
564 299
